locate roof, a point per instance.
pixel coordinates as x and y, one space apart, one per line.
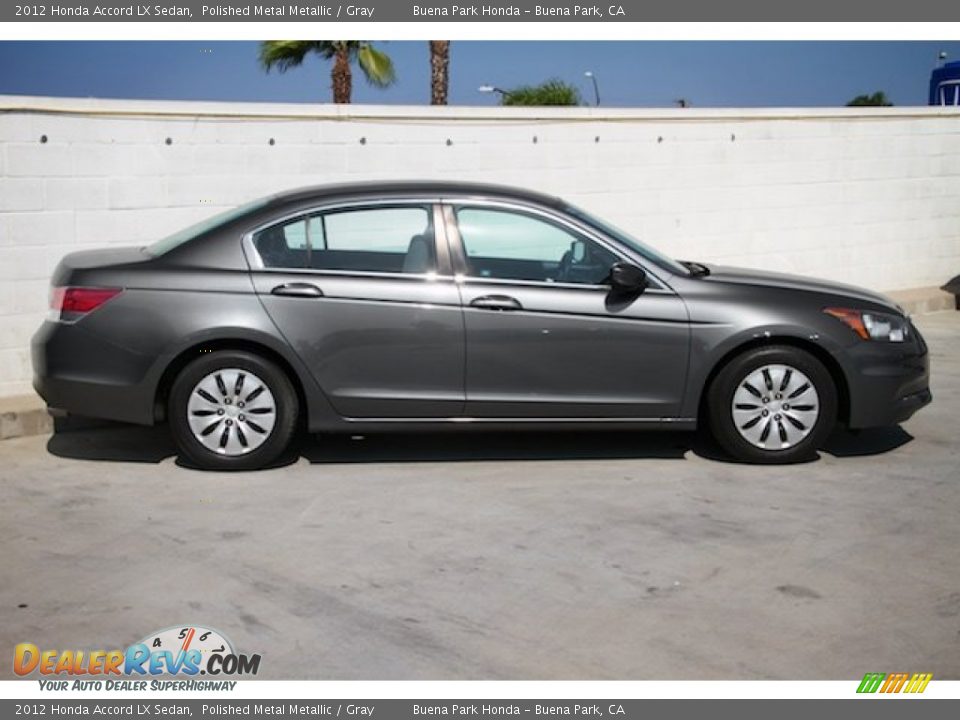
439 188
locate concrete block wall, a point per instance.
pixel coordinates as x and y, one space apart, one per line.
869 196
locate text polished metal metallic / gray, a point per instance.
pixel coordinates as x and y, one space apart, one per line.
419 305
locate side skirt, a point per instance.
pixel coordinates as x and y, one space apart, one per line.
519 424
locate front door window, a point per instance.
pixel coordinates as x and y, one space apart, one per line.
512 245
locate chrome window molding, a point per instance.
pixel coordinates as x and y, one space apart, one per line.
473 279
447 238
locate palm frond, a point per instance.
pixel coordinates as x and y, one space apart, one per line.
376 65
284 54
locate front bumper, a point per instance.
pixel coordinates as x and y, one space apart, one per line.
888 382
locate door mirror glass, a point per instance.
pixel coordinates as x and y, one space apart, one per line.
626 277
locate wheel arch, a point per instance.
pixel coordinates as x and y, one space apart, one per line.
818 351
196 350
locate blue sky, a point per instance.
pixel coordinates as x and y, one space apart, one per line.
709 74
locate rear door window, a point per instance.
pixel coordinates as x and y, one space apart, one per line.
388 239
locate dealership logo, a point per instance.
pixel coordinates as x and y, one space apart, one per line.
190 650
894 683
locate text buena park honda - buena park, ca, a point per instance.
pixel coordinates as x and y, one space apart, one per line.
581 11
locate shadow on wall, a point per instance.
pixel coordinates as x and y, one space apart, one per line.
124 443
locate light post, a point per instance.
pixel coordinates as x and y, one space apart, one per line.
596 88
493 89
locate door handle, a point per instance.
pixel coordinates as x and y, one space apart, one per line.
298 289
496 302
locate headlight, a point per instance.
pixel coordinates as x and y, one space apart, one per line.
873 325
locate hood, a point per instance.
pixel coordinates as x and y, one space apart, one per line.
744 276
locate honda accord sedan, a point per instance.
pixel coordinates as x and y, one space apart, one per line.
416 305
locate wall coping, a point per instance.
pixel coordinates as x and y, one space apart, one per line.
173 109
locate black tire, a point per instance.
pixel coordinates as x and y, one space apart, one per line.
720 401
278 439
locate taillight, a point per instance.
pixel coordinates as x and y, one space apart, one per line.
72 303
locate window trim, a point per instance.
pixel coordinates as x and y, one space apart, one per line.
458 251
432 204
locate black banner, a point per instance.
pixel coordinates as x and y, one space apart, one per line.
518 11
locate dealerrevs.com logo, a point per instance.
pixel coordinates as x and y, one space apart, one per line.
175 651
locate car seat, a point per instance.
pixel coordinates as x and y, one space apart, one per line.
419 257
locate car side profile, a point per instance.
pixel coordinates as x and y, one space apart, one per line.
429 305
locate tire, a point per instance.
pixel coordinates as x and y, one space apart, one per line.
233 410
760 411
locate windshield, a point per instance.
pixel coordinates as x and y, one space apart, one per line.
181 236
651 254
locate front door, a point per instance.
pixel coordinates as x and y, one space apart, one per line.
545 336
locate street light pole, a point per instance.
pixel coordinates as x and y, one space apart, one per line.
493 89
596 88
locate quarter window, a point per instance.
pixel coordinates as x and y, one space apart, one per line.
511 245
380 239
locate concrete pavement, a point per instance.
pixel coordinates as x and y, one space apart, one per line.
529 556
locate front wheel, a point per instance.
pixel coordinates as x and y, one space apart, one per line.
772 404
233 410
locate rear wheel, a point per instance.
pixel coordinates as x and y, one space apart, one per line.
233 410
772 404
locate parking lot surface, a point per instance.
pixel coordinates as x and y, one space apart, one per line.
524 556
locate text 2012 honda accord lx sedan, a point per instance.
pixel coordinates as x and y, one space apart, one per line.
419 305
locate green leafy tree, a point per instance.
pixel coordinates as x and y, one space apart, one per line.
552 92
377 67
878 99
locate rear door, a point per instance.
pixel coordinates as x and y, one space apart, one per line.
363 295
546 337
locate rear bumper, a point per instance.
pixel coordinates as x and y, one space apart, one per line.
78 373
888 382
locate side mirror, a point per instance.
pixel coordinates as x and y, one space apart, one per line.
625 277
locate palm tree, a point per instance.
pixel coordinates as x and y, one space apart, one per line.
551 92
439 71
377 66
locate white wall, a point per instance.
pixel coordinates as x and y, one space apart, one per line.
867 196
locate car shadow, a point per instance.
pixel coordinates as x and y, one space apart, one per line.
858 443
114 442
498 446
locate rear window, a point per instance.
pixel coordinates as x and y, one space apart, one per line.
180 237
